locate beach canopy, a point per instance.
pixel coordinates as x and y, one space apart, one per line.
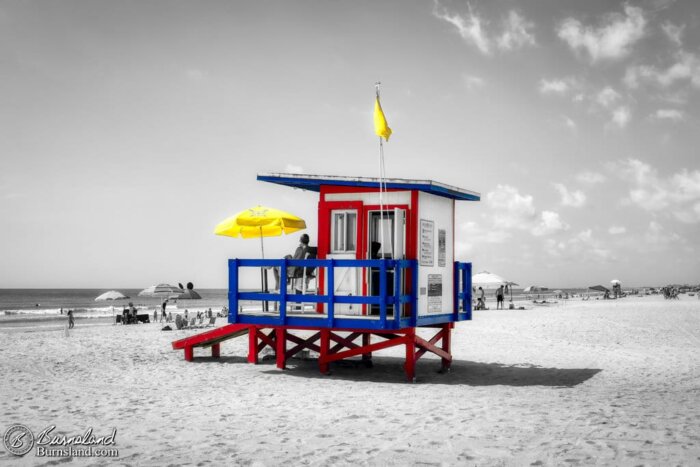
535 289
599 288
615 282
160 290
258 222
487 280
111 295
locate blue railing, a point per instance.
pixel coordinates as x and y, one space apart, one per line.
388 304
396 310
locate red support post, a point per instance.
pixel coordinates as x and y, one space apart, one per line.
281 347
253 345
410 365
447 345
216 350
189 353
366 341
323 365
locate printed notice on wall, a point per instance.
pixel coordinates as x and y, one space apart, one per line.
427 243
442 240
434 293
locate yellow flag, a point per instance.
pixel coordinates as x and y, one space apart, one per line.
381 127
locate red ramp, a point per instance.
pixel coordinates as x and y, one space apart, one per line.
211 339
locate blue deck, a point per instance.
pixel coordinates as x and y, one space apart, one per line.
396 310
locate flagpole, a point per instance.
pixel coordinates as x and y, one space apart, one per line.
381 183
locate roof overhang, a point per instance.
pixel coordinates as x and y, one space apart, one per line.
314 183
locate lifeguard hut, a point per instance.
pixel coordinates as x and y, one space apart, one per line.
385 267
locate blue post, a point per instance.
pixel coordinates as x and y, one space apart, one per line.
382 293
232 291
456 287
397 292
283 292
331 292
467 280
414 292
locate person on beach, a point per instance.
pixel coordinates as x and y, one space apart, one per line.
480 299
71 322
162 307
499 298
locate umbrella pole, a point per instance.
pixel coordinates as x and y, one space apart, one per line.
263 271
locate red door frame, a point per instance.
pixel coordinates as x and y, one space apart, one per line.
324 233
324 228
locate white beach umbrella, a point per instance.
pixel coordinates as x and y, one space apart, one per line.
111 295
535 289
160 290
487 280
615 282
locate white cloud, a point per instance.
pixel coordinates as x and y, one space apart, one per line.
686 67
607 97
511 210
293 169
469 27
582 247
569 123
612 40
678 194
574 199
590 177
555 86
673 32
669 114
658 235
549 223
476 232
617 230
517 32
621 117
472 81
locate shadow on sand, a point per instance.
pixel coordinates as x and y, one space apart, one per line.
390 370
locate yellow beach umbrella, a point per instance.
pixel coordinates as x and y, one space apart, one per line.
260 222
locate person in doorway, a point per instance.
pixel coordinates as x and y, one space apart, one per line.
499 298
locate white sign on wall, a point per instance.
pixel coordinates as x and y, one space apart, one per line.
434 293
427 243
442 247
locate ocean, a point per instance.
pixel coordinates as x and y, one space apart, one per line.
21 305
48 306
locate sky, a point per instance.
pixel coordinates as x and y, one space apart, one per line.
129 129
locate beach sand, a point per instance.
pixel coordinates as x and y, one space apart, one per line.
576 383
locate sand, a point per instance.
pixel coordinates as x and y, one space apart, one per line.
576 383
